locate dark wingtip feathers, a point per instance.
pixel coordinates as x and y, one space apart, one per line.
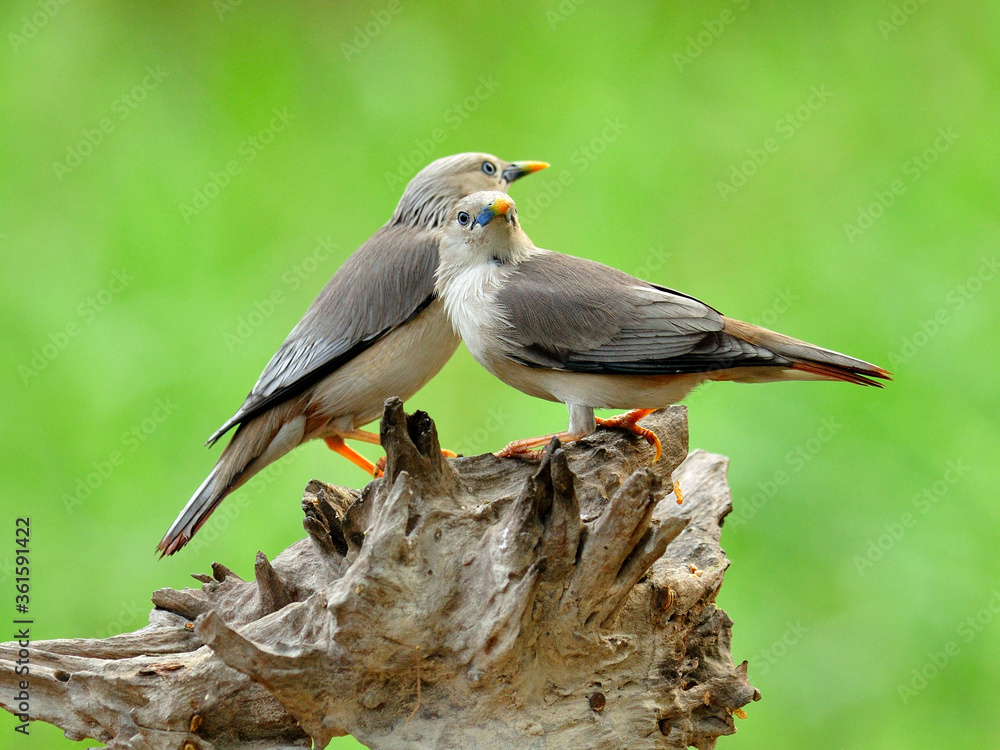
170 544
857 375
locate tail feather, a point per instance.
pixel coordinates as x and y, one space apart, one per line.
808 358
848 374
201 505
255 445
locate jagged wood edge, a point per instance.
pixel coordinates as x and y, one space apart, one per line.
227 604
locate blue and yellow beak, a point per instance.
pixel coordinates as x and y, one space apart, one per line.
502 206
519 169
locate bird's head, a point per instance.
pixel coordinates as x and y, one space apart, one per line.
432 193
483 227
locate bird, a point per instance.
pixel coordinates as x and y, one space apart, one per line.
568 329
376 330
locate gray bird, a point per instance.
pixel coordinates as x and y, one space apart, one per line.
376 330
568 329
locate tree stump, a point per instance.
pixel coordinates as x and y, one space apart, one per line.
467 603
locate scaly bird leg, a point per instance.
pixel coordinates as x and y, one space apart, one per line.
337 445
361 435
520 447
370 437
627 422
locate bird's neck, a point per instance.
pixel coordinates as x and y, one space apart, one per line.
508 246
480 268
416 209
500 247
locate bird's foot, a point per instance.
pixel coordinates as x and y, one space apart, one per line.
523 448
677 493
628 422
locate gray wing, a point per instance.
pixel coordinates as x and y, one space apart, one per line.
573 314
384 283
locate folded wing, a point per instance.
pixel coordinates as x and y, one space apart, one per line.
385 283
572 314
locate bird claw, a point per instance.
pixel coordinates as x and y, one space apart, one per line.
525 449
628 422
513 450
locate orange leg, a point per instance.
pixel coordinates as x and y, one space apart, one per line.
520 447
337 445
362 436
370 437
627 422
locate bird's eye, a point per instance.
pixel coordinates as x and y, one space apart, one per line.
489 168
463 218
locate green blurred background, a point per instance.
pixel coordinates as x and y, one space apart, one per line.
743 152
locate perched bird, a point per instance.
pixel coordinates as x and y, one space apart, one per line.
568 329
376 330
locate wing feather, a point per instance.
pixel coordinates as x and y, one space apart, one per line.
385 283
576 315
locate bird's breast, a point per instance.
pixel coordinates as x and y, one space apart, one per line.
399 364
469 296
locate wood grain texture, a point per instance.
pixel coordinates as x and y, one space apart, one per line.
473 602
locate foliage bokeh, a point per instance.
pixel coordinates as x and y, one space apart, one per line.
828 170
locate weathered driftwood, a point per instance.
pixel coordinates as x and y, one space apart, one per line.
472 603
